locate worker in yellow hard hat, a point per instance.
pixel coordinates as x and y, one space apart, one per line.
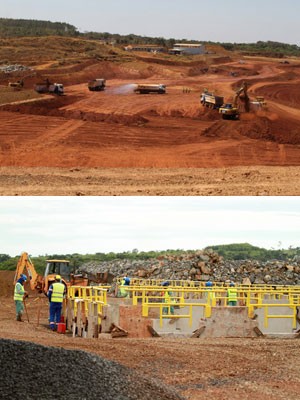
56 294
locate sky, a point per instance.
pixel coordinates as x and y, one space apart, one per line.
67 225
240 21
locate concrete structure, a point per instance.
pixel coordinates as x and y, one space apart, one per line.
273 315
223 322
188 48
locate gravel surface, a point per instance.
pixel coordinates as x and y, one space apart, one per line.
56 373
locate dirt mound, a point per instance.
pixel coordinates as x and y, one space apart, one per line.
7 283
52 108
264 127
284 93
56 373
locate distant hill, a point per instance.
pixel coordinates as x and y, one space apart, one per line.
244 251
10 28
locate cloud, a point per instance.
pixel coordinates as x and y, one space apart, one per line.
43 225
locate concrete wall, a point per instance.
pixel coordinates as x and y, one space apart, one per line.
276 325
224 321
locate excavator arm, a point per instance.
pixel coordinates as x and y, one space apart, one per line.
242 92
25 264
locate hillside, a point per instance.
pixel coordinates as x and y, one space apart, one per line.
12 28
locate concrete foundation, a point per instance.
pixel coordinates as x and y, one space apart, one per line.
191 321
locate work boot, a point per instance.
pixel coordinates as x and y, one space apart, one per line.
19 317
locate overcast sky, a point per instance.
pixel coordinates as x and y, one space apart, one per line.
218 20
64 225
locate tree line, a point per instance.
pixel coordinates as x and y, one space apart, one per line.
238 251
23 27
245 251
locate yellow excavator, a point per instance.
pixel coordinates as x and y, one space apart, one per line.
55 267
231 110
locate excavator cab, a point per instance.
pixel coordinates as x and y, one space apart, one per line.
58 267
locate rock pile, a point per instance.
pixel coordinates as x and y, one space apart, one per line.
202 266
34 372
7 69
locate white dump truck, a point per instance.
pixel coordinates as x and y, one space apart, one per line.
96 85
47 87
150 88
210 100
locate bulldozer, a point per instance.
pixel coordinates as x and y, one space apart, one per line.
231 110
41 283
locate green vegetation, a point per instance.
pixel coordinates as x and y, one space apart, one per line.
26 27
244 251
239 251
10 28
271 49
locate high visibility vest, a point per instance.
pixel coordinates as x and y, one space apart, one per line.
168 298
57 292
232 294
123 291
19 291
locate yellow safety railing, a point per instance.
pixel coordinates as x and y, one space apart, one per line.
252 297
86 295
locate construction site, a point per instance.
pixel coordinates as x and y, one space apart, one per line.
174 339
138 123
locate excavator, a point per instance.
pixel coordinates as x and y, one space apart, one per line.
41 283
231 110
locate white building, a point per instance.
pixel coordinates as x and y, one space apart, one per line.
188 48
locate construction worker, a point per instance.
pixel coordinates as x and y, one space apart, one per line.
209 295
19 295
123 292
167 298
56 294
231 295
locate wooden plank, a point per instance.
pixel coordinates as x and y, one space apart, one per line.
198 332
258 332
119 334
152 331
115 327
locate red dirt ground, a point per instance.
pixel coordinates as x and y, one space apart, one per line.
117 129
221 369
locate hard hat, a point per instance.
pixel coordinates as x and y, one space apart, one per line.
208 283
58 277
231 284
166 283
127 281
24 277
